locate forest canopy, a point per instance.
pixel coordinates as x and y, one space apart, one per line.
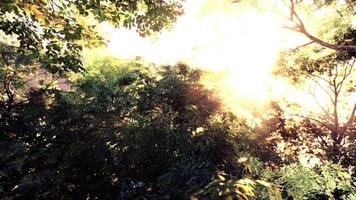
79 122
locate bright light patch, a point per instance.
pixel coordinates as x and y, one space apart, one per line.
239 43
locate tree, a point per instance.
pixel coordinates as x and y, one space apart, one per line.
300 27
328 134
125 130
337 31
54 32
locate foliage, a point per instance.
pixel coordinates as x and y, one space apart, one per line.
127 130
323 182
121 134
326 132
329 132
54 32
132 130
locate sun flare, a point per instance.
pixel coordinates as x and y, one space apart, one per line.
239 44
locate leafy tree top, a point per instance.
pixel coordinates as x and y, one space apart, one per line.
55 31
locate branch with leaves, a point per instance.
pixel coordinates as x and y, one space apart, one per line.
300 28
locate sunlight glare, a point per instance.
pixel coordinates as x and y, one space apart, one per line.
239 43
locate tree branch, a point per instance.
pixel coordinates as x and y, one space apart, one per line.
347 72
327 114
323 140
301 29
303 45
347 124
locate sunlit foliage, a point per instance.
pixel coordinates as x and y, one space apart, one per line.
128 129
54 31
